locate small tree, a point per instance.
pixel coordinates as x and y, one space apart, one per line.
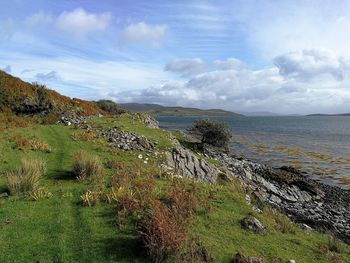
213 132
110 107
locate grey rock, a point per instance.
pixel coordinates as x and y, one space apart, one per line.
126 140
186 164
253 224
2 195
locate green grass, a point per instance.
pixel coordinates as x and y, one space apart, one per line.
60 229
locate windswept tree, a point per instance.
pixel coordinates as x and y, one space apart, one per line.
212 132
110 106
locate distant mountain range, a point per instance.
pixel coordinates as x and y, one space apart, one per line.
320 114
160 110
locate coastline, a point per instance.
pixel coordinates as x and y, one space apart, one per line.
313 204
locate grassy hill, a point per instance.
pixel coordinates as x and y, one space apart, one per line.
21 97
160 110
96 203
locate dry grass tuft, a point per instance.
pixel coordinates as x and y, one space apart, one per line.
90 198
40 193
34 144
283 223
86 166
26 177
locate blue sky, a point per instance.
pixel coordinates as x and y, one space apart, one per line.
280 56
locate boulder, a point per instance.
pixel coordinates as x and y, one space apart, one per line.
188 165
253 224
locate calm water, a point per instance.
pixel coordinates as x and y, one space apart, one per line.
318 145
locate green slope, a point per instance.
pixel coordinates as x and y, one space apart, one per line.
60 229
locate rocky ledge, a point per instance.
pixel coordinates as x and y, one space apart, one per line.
303 199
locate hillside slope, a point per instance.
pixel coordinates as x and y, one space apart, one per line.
21 97
60 228
160 110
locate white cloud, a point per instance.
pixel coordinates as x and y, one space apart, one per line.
297 26
304 82
313 63
41 18
80 22
230 63
186 67
50 76
143 33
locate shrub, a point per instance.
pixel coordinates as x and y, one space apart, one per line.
26 177
212 132
87 166
161 233
110 107
183 202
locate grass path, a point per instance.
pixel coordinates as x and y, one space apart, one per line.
59 229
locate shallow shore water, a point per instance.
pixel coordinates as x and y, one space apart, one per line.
319 146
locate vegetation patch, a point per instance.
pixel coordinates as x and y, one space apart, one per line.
35 144
25 178
87 166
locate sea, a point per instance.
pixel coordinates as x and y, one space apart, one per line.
318 145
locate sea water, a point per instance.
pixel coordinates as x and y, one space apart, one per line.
318 145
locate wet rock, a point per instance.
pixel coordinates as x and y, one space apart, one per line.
253 224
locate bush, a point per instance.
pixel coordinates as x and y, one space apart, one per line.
87 166
184 203
26 177
110 107
212 132
161 233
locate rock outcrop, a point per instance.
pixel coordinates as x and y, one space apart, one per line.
126 140
146 119
72 117
188 165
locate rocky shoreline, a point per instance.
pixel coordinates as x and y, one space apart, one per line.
304 200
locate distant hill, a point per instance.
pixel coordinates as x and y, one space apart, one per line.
320 114
23 98
160 110
260 113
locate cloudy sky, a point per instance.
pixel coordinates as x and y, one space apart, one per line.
246 56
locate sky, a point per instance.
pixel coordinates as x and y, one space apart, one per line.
288 57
